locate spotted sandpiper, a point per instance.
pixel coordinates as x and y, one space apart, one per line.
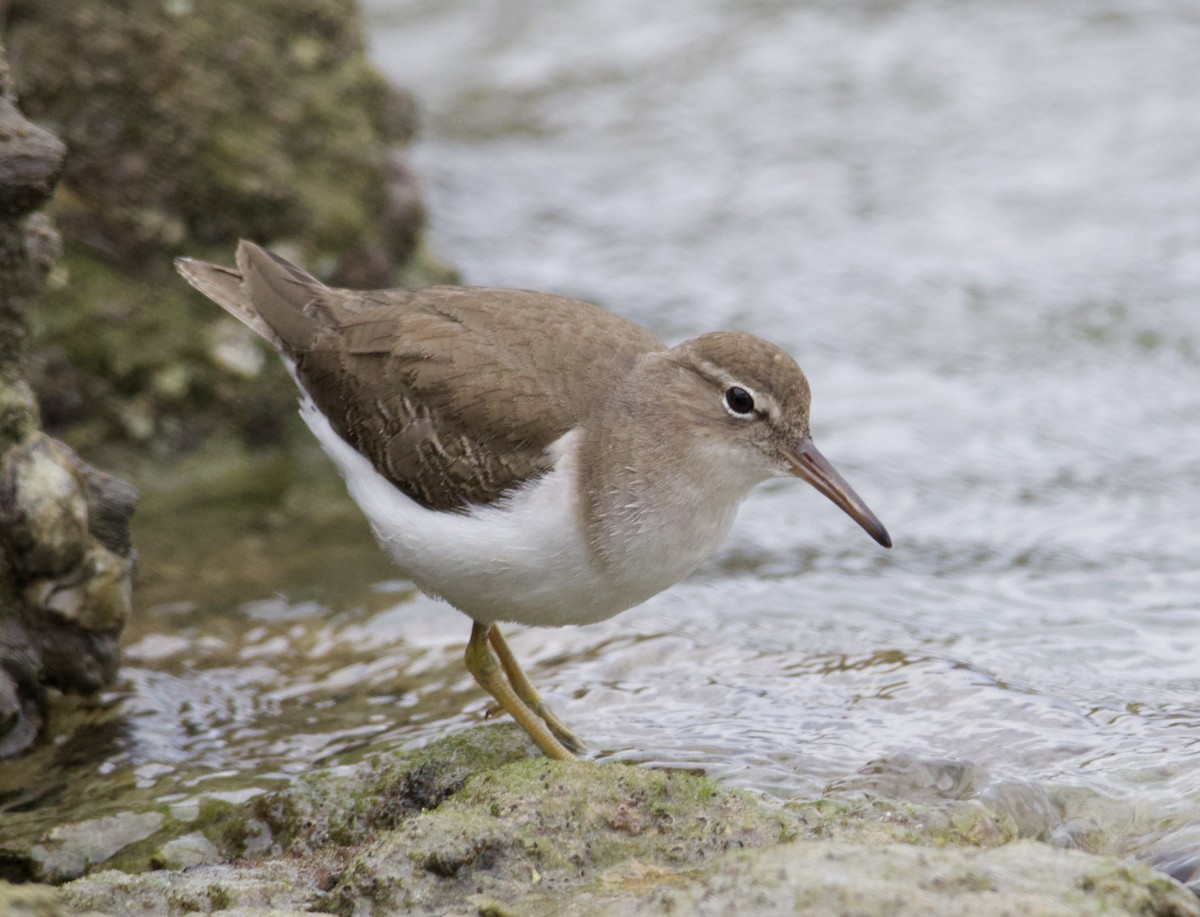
529 457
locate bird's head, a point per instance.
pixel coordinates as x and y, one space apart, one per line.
750 402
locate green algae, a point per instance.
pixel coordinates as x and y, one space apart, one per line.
899 881
323 810
475 823
553 824
197 124
30 900
854 819
191 126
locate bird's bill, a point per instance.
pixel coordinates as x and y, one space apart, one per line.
808 463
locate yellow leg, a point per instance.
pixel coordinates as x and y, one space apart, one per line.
482 664
529 694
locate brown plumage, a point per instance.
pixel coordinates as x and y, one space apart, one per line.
413 379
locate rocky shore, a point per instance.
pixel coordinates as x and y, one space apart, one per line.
478 824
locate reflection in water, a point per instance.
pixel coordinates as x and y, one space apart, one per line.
985 255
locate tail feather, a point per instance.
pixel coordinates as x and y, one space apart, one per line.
223 285
290 300
275 299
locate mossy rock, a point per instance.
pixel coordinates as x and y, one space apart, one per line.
556 828
191 124
194 122
477 822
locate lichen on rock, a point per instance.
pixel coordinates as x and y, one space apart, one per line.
473 824
65 559
190 126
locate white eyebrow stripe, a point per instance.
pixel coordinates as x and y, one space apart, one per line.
763 401
766 403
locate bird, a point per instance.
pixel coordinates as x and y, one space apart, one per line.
527 457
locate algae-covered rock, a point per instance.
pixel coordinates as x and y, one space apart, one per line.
277 888
433 826
69 591
69 850
185 852
477 823
327 809
552 825
196 122
30 901
190 125
65 558
1016 880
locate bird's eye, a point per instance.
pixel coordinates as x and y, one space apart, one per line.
738 400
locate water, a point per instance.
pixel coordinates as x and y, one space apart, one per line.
978 229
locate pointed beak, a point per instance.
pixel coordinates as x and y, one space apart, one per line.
810 464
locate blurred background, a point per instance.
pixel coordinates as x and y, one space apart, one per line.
977 228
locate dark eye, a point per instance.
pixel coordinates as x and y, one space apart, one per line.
738 400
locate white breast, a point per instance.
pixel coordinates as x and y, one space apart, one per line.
523 559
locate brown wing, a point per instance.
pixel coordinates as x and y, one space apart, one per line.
453 393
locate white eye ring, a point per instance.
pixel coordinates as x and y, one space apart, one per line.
739 401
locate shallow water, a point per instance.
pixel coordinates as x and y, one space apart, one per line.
977 228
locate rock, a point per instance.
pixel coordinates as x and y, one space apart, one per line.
65 558
1018 879
185 852
18 412
473 824
567 823
190 126
31 162
43 510
276 889
918 779
20 716
71 592
68 851
30 901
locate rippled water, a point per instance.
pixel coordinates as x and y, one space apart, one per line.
978 229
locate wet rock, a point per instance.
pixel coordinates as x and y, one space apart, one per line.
277 889
185 852
43 511
898 881
65 557
94 597
917 779
322 810
111 503
877 821
20 714
476 823
1033 811
30 901
1183 868
566 823
31 162
1177 853
68 851
70 593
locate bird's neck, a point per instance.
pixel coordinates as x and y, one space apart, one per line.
658 496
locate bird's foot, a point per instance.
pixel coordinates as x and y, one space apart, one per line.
561 732
515 695
571 741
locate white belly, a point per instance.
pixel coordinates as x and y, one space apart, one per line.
523 559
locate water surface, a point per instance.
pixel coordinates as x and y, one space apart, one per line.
978 229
